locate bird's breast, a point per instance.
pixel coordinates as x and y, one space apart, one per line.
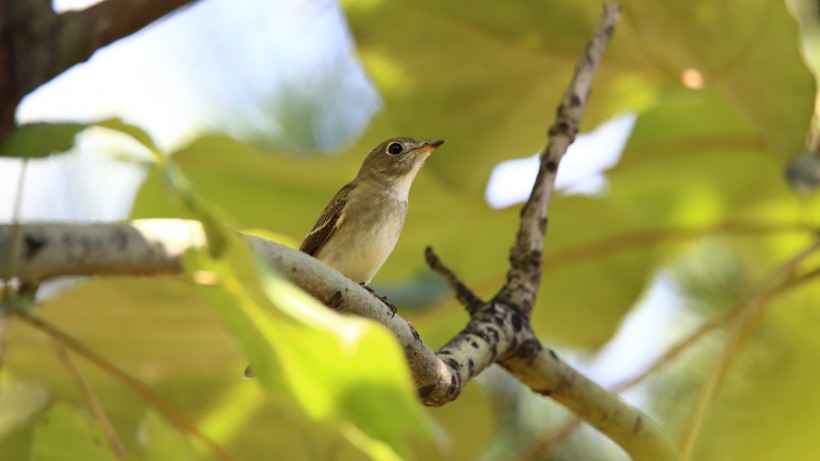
367 234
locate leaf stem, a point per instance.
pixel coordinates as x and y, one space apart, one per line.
94 404
136 386
748 316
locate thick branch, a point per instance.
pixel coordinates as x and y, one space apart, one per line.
37 44
156 246
149 247
432 376
144 247
109 21
544 372
526 255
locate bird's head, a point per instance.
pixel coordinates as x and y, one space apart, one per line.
398 159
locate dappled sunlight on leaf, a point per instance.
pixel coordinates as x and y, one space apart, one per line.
65 434
20 401
336 369
232 412
159 440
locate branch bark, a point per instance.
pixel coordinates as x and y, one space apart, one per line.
156 246
37 44
526 255
627 426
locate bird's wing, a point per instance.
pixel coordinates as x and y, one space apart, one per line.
328 222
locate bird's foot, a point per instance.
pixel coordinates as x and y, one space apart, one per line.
362 284
383 299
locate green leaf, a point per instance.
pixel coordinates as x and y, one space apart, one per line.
160 441
348 372
488 76
40 139
19 402
44 138
777 358
64 434
131 130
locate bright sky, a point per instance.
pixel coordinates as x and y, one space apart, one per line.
581 169
251 69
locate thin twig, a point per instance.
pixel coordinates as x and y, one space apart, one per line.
673 352
465 296
524 275
10 261
136 386
713 324
644 238
794 282
91 399
549 441
739 332
10 265
595 250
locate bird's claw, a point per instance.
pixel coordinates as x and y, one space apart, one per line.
383 299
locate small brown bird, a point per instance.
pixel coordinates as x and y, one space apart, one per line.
359 228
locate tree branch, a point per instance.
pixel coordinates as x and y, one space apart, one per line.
464 295
111 20
156 246
627 426
744 319
135 385
94 405
37 44
526 255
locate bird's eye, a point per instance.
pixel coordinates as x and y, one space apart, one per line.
394 149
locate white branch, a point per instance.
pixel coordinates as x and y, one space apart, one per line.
153 247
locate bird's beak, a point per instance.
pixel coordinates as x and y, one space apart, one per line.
430 146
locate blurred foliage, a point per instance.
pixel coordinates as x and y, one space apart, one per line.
724 103
40 139
712 277
341 371
65 434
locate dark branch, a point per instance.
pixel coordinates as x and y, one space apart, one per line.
464 295
111 20
37 44
526 255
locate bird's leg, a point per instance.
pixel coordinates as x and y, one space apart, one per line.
383 299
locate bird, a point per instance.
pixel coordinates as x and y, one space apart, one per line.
360 226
